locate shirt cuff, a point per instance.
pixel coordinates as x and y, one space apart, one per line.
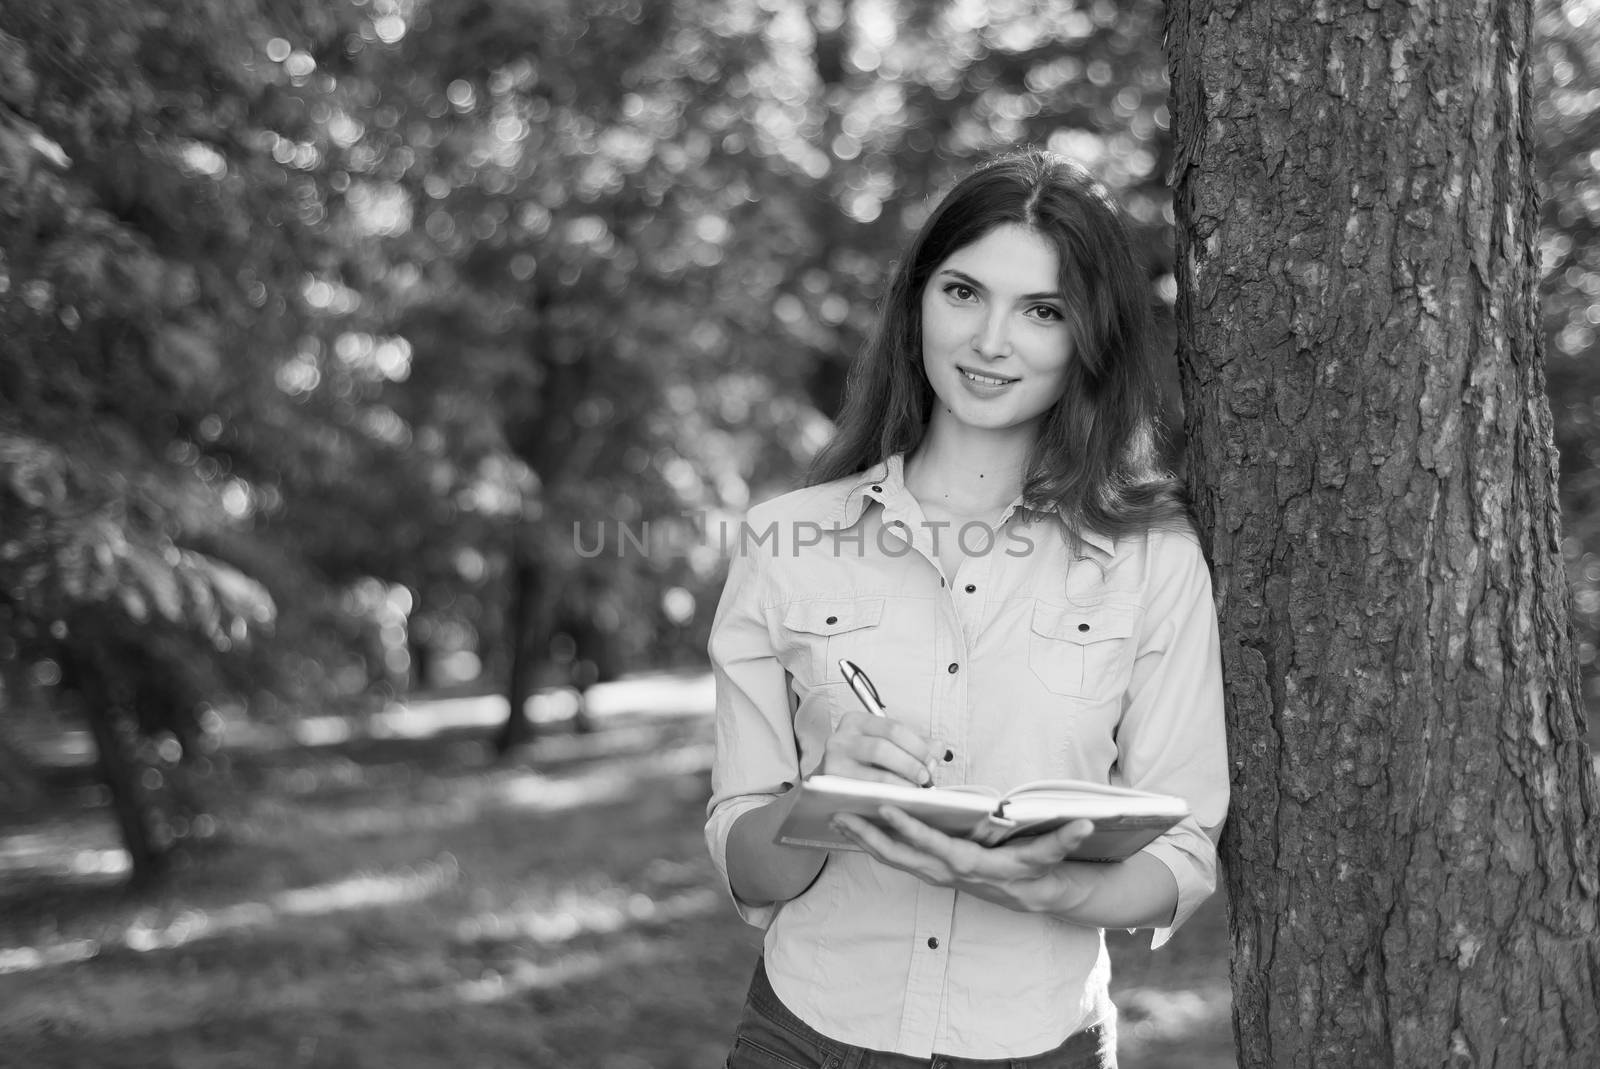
718 826
1195 876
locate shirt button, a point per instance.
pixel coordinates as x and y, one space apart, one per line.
933 942
877 489
832 620
954 668
949 755
1083 627
971 589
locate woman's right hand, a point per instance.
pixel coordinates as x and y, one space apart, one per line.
864 746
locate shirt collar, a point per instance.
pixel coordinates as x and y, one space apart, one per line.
885 479
875 484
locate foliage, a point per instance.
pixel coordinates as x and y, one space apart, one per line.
132 286
653 234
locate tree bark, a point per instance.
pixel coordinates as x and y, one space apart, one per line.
534 595
120 768
420 677
1411 860
518 729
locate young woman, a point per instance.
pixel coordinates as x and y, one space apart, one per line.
989 536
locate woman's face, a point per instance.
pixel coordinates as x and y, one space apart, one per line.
995 338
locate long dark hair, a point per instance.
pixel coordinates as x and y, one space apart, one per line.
1097 456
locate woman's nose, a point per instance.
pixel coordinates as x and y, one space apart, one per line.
993 339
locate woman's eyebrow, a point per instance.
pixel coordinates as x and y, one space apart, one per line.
967 279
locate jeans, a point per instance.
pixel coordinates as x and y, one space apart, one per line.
770 1037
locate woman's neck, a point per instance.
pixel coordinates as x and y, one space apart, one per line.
978 475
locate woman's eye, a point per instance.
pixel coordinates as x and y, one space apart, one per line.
960 292
1048 313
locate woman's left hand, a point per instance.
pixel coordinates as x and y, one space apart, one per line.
1030 875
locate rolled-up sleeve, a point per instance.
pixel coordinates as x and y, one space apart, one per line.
756 757
1172 736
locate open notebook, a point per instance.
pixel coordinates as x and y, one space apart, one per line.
1125 820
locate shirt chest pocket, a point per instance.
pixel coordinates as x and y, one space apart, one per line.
820 632
1083 653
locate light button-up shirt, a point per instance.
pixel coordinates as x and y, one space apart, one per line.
1041 658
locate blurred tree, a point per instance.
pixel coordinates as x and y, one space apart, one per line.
156 237
1411 860
535 174
125 272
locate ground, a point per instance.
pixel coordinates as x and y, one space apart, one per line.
393 897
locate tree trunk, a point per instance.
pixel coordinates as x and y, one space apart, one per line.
421 675
1410 860
18 787
527 632
115 736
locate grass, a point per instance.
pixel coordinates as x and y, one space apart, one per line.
405 902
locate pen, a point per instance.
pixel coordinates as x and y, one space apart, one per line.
866 693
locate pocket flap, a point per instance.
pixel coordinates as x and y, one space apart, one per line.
1098 623
833 617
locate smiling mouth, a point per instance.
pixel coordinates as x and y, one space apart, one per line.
985 380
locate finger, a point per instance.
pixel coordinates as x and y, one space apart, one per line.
886 754
1054 845
863 833
860 761
1024 859
911 830
1071 834
876 842
869 757
957 855
917 747
856 770
888 744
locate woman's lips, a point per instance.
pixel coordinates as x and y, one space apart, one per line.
984 381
